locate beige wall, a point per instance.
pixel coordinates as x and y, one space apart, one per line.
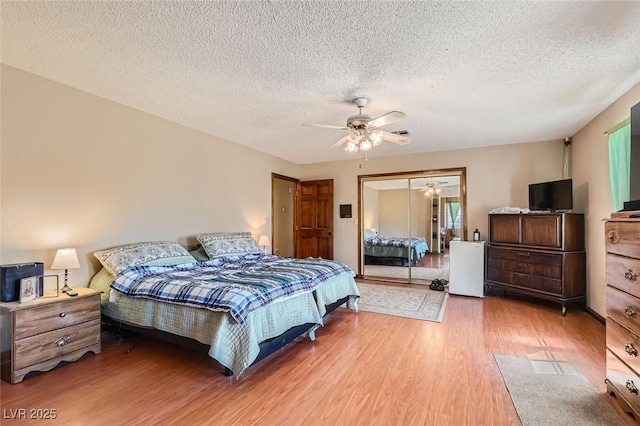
369 208
84 172
592 193
394 213
496 176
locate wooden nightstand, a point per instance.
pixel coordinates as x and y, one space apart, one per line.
39 334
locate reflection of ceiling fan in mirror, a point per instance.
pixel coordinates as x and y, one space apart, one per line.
363 131
431 188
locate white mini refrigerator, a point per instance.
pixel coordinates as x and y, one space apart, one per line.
466 268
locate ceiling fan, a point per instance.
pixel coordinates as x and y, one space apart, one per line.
363 131
431 188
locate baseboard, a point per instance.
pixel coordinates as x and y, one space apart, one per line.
596 315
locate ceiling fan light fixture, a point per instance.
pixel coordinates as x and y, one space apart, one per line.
375 138
432 189
363 133
366 145
351 147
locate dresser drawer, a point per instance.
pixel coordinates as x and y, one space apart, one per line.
533 282
52 344
545 284
623 273
626 382
526 262
623 238
623 308
53 316
624 343
507 277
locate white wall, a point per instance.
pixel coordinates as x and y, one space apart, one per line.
85 172
592 191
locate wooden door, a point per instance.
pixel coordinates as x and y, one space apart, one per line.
315 219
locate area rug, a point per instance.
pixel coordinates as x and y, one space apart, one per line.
549 392
403 272
409 302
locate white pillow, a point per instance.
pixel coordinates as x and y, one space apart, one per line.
228 244
160 253
368 233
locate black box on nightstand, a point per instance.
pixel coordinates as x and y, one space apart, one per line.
10 276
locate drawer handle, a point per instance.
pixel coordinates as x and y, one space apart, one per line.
614 237
629 312
64 340
628 348
630 275
63 314
631 387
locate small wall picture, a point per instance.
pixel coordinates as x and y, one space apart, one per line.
28 289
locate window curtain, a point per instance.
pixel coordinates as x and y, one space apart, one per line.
619 165
454 209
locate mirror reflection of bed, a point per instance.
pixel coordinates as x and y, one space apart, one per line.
407 224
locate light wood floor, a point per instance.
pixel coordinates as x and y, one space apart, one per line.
435 260
363 368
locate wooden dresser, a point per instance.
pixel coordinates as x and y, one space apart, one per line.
623 309
538 254
38 335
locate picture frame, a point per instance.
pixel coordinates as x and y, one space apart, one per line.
28 289
46 282
40 283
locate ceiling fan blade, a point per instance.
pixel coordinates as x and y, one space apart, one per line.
395 138
327 126
388 118
342 141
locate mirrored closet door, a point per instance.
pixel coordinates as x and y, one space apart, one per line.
407 221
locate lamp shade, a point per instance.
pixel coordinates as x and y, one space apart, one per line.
66 258
264 240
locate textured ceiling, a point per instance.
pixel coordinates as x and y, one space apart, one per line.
466 74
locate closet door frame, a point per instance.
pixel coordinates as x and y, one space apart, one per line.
455 171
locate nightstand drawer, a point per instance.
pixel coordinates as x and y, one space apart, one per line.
42 347
30 322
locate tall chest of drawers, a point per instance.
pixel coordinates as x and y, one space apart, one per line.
622 243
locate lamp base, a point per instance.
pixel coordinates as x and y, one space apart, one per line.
66 289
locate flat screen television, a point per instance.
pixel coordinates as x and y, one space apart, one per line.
554 196
634 181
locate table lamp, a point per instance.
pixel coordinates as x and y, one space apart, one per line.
264 242
66 259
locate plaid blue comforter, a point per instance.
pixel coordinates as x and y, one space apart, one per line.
237 285
377 240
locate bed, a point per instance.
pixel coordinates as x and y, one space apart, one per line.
386 250
287 298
